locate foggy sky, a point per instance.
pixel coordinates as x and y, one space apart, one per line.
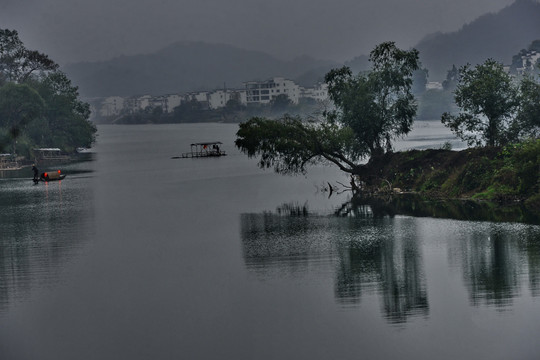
89 30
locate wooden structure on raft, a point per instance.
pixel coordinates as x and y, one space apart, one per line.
203 149
47 156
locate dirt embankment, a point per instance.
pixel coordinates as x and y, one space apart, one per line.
504 175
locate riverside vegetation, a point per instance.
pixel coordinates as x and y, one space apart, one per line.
505 175
499 117
39 107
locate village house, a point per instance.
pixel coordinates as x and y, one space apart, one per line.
319 92
263 92
254 93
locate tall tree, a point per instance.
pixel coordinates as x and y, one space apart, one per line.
527 122
38 100
450 82
289 144
488 100
19 104
66 117
16 62
379 105
280 103
371 109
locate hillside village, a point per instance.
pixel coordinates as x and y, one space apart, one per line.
110 85
254 93
525 62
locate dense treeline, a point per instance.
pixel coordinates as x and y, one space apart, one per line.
39 107
233 112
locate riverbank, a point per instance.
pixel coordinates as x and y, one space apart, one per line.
505 175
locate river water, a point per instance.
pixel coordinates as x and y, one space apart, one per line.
139 256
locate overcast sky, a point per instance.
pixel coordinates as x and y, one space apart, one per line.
88 30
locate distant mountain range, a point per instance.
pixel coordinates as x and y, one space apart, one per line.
498 36
192 66
183 67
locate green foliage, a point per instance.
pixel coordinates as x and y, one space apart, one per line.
524 161
16 62
447 145
487 98
19 104
450 83
495 192
38 104
371 109
527 122
280 103
378 106
434 180
533 203
433 103
188 111
475 174
420 80
289 145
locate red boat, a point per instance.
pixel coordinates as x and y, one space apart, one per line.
50 176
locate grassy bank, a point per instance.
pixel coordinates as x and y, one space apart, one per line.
503 175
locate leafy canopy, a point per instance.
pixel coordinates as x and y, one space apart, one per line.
379 105
488 100
290 144
38 103
19 104
371 110
527 122
16 62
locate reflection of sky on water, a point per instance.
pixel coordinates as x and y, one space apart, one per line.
371 254
42 226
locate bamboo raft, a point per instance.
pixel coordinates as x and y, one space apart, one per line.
203 149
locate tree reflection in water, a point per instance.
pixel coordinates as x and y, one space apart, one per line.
496 247
373 251
497 260
42 227
376 254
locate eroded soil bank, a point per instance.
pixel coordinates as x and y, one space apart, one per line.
505 175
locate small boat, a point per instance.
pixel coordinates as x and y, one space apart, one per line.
203 149
50 176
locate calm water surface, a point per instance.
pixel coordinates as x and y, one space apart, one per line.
139 256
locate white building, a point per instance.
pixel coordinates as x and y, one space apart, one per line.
173 100
218 98
111 106
256 92
201 96
434 85
319 92
263 92
137 103
144 101
529 61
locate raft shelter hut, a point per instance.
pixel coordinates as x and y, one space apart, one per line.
204 149
50 156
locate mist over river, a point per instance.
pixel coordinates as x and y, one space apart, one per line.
136 255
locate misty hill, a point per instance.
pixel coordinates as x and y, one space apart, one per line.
498 36
183 67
